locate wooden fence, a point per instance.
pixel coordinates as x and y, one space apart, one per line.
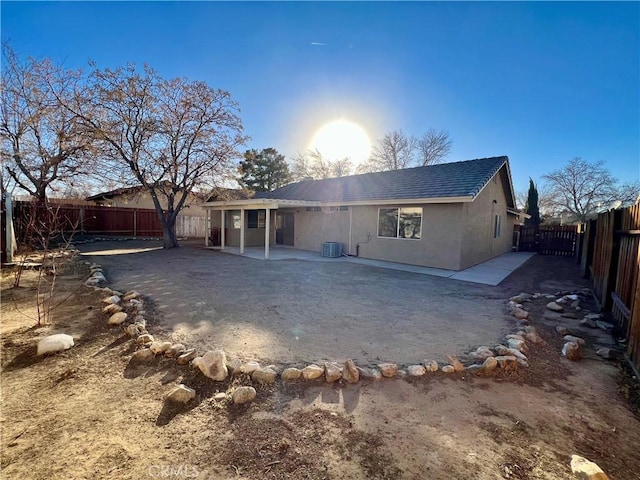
611 258
558 240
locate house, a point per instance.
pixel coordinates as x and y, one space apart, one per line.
450 216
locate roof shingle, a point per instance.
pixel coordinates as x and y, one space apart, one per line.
456 179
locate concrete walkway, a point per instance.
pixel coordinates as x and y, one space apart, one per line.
491 272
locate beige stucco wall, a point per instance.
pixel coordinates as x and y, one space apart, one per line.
144 200
478 242
312 229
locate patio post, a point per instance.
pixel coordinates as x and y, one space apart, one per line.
242 231
207 214
222 215
267 227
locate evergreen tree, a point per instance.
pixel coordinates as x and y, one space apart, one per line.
531 208
263 170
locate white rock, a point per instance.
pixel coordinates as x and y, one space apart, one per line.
117 318
243 395
159 347
213 365
430 365
55 343
520 313
181 394
516 337
553 306
455 363
112 308
571 338
369 373
388 370
416 370
350 372
175 350
507 362
448 369
517 344
313 371
111 299
584 469
186 356
291 374
572 297
143 355
130 295
533 337
249 367
332 372
571 350
265 375
489 365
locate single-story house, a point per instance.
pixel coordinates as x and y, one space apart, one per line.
451 215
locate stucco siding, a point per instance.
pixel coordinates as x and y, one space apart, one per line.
478 240
253 237
438 247
312 229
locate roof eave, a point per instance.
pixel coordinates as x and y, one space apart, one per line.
273 203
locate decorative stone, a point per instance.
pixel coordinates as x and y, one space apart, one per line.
117 318
313 371
520 314
388 370
143 356
430 365
481 353
572 297
401 373
448 369
458 367
133 330
474 369
489 365
112 308
244 395
570 315
332 372
181 394
291 374
54 343
517 344
158 347
515 336
607 327
186 356
589 323
416 370
144 339
369 373
265 375
112 299
594 316
212 365
350 372
554 307
175 350
584 469
507 362
249 367
563 330
571 350
130 295
608 353
533 337
571 338
218 397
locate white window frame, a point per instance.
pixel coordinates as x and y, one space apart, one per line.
398 237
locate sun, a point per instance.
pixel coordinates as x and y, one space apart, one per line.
341 139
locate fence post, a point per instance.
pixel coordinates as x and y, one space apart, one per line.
9 235
135 222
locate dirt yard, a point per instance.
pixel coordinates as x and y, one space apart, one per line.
89 413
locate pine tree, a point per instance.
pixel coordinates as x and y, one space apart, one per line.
263 170
531 208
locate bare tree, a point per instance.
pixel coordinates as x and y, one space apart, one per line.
312 164
582 188
173 136
394 151
42 142
433 147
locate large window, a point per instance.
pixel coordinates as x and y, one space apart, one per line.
400 222
233 219
256 219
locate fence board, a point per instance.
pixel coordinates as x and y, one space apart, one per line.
557 240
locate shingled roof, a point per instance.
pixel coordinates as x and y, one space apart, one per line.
456 179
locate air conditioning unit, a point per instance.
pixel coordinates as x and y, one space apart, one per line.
331 249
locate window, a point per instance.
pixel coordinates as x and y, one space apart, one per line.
496 226
400 223
233 219
256 218
341 208
314 209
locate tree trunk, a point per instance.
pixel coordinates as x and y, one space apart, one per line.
169 239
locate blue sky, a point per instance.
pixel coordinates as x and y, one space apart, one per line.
541 82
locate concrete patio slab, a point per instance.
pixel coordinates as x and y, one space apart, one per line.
491 272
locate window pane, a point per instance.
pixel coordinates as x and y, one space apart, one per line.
410 223
252 218
388 222
233 219
262 216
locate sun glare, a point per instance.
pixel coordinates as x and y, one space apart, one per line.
340 139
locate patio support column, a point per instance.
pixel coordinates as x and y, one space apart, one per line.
207 216
267 228
242 231
222 218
